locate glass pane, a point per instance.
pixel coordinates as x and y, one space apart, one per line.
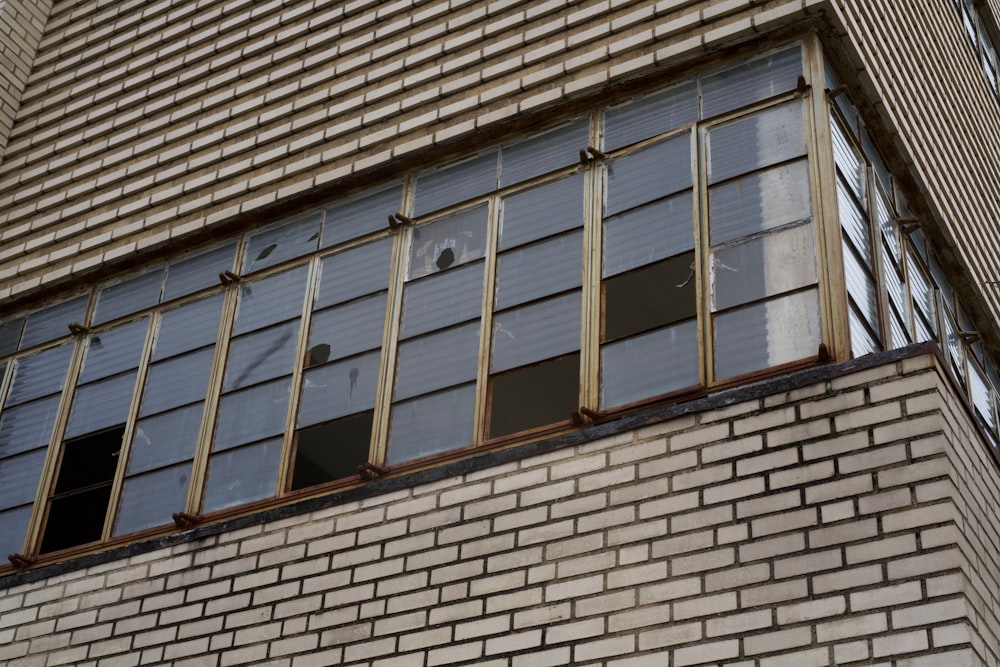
542 211
437 360
177 381
650 115
128 296
920 291
982 397
13 527
647 234
855 223
28 425
355 272
542 330
167 438
862 340
542 153
260 356
941 280
101 404
767 334
40 374
846 156
454 183
540 269
861 287
887 223
751 82
451 241
877 163
534 396
345 330
10 335
361 215
339 389
53 322
444 299
19 478
761 201
331 451
752 142
270 300
765 266
114 350
278 244
650 297
897 329
190 274
252 414
431 424
649 173
654 363
242 475
150 500
192 325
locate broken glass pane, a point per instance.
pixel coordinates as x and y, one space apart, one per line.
431 424
542 211
650 115
40 374
861 287
539 331
92 459
437 360
76 519
278 244
177 381
128 296
242 475
539 269
149 500
654 363
438 301
195 324
750 82
53 322
345 330
767 334
114 350
764 266
263 355
650 297
454 183
649 173
533 396
19 478
354 272
13 526
252 414
191 273
756 141
758 202
270 300
10 335
28 425
544 152
448 242
648 234
101 404
331 451
361 215
339 389
165 439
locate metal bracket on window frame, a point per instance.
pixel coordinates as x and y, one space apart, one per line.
227 278
77 329
969 337
823 354
185 520
908 225
398 219
839 90
585 416
370 471
590 153
20 561
801 86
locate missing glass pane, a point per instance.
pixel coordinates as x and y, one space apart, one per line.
76 519
650 297
533 396
90 460
331 451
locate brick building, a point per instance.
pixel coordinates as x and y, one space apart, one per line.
510 333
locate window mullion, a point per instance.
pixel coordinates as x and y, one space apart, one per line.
482 410
590 331
703 252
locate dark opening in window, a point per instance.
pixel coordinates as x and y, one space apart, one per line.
649 297
532 396
332 450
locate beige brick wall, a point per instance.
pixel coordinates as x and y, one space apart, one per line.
22 23
786 530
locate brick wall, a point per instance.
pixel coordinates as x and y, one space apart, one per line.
842 522
21 25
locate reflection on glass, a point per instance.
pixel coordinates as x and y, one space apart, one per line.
128 296
187 275
542 211
19 478
751 82
149 500
28 425
167 438
752 142
649 173
192 325
354 272
862 340
114 350
101 404
339 389
847 159
650 115
855 224
277 244
539 331
654 363
177 381
448 242
10 335
861 287
542 153
40 374
53 322
438 301
540 269
13 526
761 201
431 424
242 475
270 300
437 360
262 355
252 414
348 329
647 234
361 215
455 183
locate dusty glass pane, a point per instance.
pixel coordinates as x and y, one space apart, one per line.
331 451
438 188
650 297
647 234
921 291
444 299
862 340
13 527
437 360
278 244
355 272
544 152
101 404
190 274
750 82
894 283
10 335
128 296
242 475
861 287
270 300
767 334
345 330
361 215
114 350
53 322
40 374
177 381
650 115
190 326
645 366
167 438
19 478
339 389
849 162
431 424
765 266
448 242
533 396
540 269
756 141
539 331
855 224
27 426
761 201
542 211
260 356
649 173
252 414
149 500
982 397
